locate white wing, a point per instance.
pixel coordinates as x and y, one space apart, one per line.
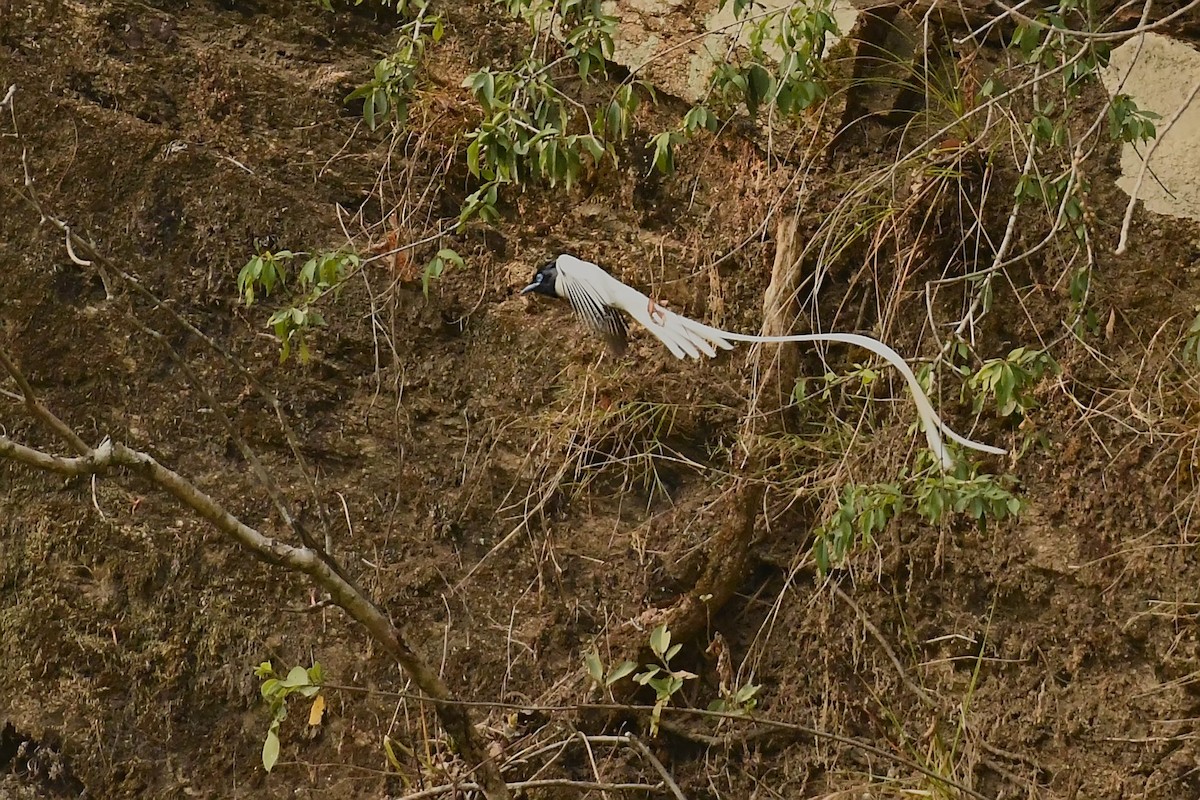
600 287
591 305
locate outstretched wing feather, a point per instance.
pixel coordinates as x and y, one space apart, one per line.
598 316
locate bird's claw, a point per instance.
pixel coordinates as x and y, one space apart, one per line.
656 312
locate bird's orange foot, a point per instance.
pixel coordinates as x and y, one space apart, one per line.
657 312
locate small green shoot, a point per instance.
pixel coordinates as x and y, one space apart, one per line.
662 677
664 680
1006 381
602 679
263 272
322 273
1191 341
437 265
394 78
739 702
275 690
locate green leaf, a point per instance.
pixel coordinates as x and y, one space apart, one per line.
593 146
389 745
760 84
746 693
270 751
446 254
594 667
660 640
297 676
642 678
473 157
619 671
664 158
369 108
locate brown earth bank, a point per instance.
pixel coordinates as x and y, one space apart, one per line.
510 496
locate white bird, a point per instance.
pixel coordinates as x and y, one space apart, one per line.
598 298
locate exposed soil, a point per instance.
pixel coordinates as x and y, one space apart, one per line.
1056 656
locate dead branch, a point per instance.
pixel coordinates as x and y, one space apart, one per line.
544 783
40 411
109 455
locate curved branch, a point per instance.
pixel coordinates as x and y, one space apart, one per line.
454 718
40 411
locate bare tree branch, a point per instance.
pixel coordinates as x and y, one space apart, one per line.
43 414
109 455
455 719
94 461
251 457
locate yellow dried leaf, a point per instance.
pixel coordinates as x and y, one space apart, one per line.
317 711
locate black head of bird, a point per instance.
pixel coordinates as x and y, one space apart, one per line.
544 281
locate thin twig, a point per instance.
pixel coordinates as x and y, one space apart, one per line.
1095 35
1123 242
62 429
256 465
637 744
545 783
921 694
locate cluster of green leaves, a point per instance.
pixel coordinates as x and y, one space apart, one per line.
1191 341
1061 192
797 80
530 129
1049 41
1128 123
859 380
864 510
739 701
276 690
386 95
318 275
1005 382
665 680
525 135
790 85
663 144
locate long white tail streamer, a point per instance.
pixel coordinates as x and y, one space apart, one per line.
934 427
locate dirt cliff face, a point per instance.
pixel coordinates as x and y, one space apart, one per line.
511 497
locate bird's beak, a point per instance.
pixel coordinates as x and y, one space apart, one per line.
528 288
